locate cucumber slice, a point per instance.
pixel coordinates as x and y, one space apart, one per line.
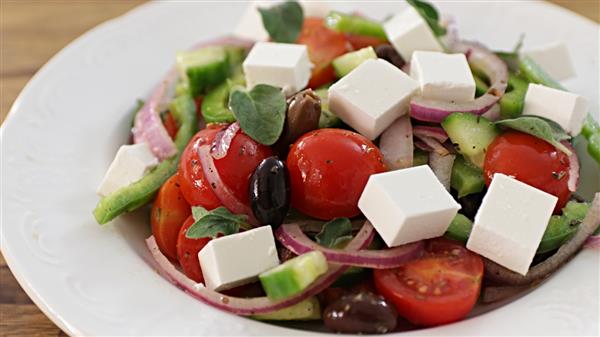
327 119
460 228
353 24
471 134
203 68
307 310
347 62
215 105
466 178
294 275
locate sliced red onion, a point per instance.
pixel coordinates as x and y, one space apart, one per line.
292 238
481 58
573 168
421 145
257 305
223 140
396 144
148 126
442 167
593 242
431 131
222 191
493 113
434 144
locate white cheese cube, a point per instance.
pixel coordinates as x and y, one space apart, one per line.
130 165
554 59
567 109
372 96
510 223
408 32
442 76
237 259
278 64
407 205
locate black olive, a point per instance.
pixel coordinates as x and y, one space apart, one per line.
363 312
302 116
388 53
270 192
470 204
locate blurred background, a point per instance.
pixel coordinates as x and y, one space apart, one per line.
31 32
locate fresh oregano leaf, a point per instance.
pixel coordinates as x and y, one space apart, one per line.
538 127
260 112
430 14
335 233
215 222
283 22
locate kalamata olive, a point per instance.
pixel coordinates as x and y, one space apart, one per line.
303 113
362 312
388 53
470 204
270 192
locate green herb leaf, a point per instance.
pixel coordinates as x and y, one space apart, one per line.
335 233
283 22
430 14
260 111
538 127
215 222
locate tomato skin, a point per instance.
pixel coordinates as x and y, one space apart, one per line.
360 41
323 46
329 169
438 288
169 211
187 252
171 125
530 160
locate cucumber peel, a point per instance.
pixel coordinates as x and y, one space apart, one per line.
346 63
203 68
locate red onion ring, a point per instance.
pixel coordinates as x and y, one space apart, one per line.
593 242
223 139
481 58
421 145
148 126
431 131
292 238
250 306
396 144
223 193
573 168
434 144
442 167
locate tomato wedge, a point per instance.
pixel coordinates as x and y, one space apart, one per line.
438 288
187 252
171 125
168 213
323 46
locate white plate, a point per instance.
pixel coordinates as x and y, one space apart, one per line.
68 122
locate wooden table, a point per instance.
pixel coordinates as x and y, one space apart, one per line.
31 33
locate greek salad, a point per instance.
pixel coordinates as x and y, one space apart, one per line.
372 175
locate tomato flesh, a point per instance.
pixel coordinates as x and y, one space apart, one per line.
168 213
438 288
329 169
187 252
171 125
530 160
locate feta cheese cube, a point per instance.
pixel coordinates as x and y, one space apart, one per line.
278 64
130 165
510 223
442 76
237 259
408 31
554 59
407 205
567 109
372 96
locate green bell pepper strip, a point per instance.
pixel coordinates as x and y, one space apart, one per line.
139 193
480 86
511 103
352 24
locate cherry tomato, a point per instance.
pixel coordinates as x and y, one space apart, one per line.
169 211
323 46
438 288
532 161
329 169
194 186
171 125
187 252
361 41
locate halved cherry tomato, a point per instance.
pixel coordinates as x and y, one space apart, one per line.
438 288
323 46
194 186
171 125
361 41
187 252
532 161
329 169
168 213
